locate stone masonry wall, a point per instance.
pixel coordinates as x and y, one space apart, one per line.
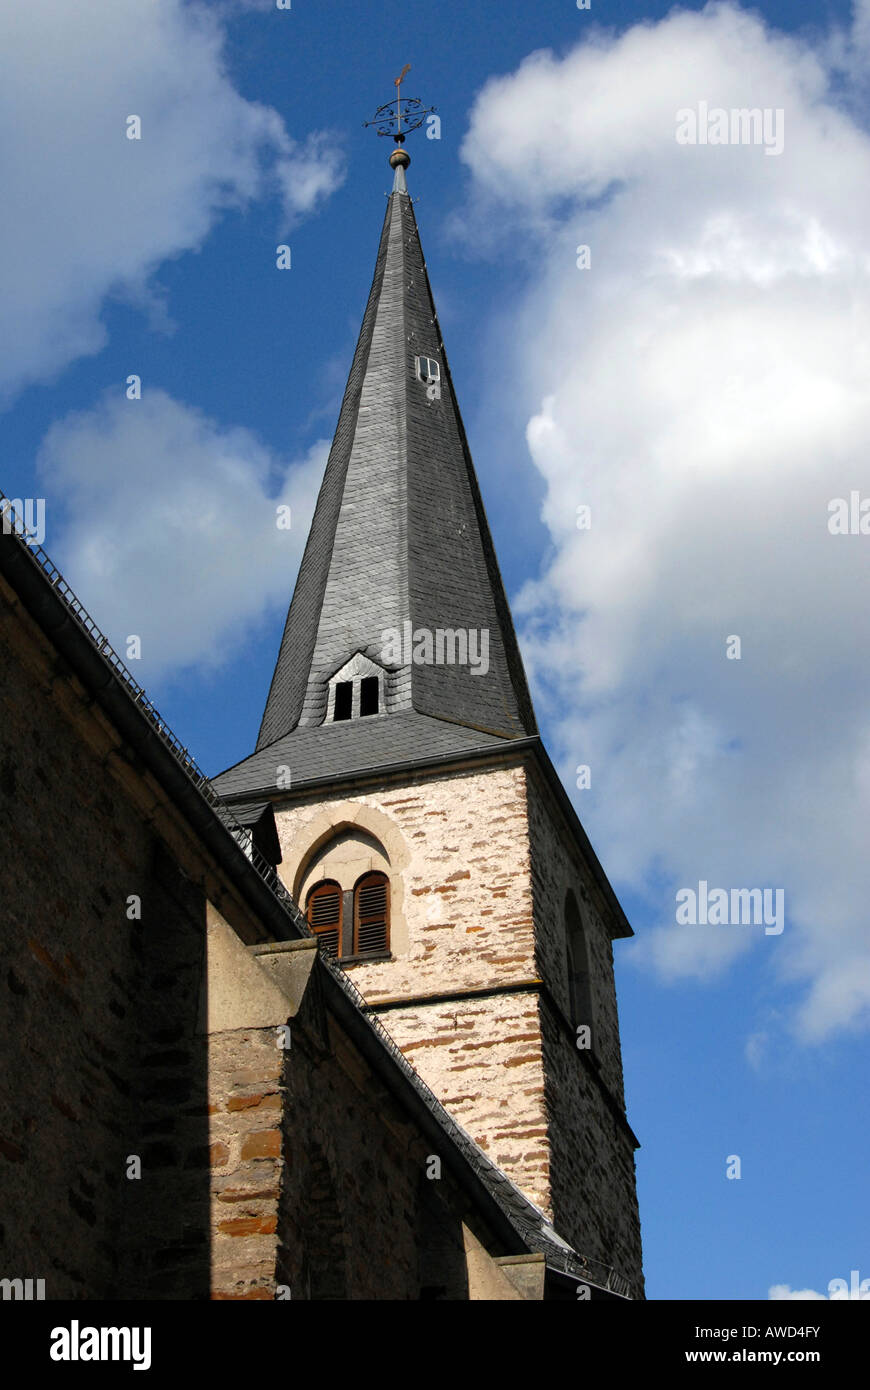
557 867
482 862
593 1172
97 1057
466 890
247 1106
484 1060
320 1186
460 865
360 1219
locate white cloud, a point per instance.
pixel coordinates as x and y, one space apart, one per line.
704 389
784 1292
307 173
172 531
91 213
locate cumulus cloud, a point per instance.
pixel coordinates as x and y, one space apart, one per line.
703 389
92 213
172 531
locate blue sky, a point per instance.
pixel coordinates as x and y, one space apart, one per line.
703 386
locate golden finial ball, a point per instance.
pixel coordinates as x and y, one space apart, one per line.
399 156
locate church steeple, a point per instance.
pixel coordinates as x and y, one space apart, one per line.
399 582
417 819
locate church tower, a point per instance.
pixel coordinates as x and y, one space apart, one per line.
422 827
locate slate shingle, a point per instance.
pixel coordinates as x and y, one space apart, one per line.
313 753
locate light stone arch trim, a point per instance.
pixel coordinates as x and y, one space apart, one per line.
343 816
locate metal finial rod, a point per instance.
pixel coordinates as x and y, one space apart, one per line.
398 85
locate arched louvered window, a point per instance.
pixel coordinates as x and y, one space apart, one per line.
324 916
371 915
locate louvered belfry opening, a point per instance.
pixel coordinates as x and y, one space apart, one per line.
371 915
324 916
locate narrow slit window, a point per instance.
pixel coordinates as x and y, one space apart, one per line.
579 975
369 695
371 916
343 708
324 916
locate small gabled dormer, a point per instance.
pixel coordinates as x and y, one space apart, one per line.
356 691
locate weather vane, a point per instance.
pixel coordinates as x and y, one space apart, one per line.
402 114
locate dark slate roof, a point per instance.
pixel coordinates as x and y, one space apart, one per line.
314 751
258 817
399 536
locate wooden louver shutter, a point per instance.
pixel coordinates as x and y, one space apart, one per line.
324 916
371 916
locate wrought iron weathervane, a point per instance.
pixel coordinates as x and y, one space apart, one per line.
401 115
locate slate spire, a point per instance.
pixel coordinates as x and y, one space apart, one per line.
399 552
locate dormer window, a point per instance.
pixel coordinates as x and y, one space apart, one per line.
343 708
356 691
369 695
428 370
